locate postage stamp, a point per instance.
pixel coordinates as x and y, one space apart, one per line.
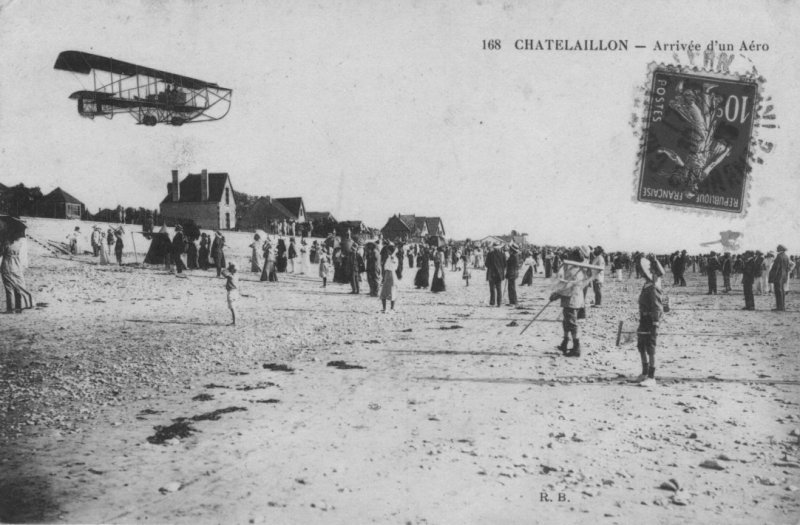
697 141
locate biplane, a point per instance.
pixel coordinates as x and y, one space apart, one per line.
150 96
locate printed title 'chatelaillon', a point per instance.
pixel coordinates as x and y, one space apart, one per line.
555 44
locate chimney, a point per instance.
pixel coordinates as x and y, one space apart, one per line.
204 185
176 187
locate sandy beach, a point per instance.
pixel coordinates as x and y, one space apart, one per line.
317 408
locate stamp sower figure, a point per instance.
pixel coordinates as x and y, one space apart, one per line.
232 286
572 283
650 311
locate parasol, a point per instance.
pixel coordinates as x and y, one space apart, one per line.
11 228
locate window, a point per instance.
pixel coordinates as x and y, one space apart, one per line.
227 219
227 196
73 211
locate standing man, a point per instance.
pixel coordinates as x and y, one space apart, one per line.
598 259
727 268
679 264
178 247
352 268
711 270
97 240
495 270
748 278
512 272
758 265
373 269
548 264
778 276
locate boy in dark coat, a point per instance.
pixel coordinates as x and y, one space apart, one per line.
651 310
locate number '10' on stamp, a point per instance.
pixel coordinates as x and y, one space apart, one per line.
697 140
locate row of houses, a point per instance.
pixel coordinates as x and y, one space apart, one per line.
58 204
412 228
210 201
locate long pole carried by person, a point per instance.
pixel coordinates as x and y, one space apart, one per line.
535 317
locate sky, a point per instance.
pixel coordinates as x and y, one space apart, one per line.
367 109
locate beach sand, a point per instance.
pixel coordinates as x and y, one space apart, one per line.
454 416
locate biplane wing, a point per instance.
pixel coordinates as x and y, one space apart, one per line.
150 95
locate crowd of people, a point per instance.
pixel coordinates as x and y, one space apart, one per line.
573 272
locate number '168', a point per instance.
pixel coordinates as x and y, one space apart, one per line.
492 44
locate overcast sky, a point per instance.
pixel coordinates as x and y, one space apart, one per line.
366 109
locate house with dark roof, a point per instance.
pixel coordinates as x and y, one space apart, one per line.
412 228
58 204
264 213
434 226
295 206
205 198
319 216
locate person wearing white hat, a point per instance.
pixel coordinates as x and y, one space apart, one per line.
651 309
573 280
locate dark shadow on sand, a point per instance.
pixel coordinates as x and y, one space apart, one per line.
614 381
157 321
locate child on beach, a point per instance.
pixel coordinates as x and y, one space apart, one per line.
324 267
651 309
232 286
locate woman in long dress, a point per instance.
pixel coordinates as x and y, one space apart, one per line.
339 274
103 253
269 272
257 254
205 242
437 285
280 259
11 272
303 259
389 285
422 279
527 279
